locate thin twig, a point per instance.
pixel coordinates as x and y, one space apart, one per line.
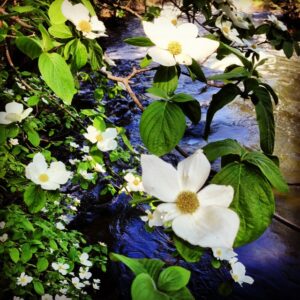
286 222
16 19
126 8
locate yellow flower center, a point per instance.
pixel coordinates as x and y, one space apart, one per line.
235 277
43 177
226 29
174 48
85 26
136 181
187 202
23 279
99 137
174 21
219 252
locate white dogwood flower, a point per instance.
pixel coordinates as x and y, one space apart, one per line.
76 282
60 226
47 297
153 219
238 274
84 260
223 253
2 224
105 140
14 142
171 13
277 23
78 14
60 267
3 238
49 178
177 44
99 168
237 18
230 33
134 183
63 297
84 273
200 217
86 175
14 112
96 286
24 279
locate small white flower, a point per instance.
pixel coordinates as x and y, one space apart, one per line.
60 267
24 279
84 260
76 201
85 149
105 140
86 282
72 207
74 161
79 15
49 178
200 217
14 142
87 158
238 274
238 18
153 219
60 226
171 13
84 273
17 298
277 23
78 285
134 183
230 33
223 253
86 175
56 203
102 244
63 291
14 112
3 237
177 44
47 297
99 168
96 286
65 218
63 297
2 224
74 145
96 280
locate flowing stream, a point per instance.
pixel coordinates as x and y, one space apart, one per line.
274 259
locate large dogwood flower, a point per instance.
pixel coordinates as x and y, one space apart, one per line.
177 44
199 217
14 112
49 178
79 15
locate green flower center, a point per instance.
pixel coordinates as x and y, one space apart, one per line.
174 48
187 202
85 26
43 177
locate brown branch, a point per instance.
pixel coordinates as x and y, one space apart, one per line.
16 19
126 8
286 222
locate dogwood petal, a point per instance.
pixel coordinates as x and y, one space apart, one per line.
50 186
201 48
161 56
210 226
168 211
57 172
97 25
26 113
193 172
213 194
110 133
40 163
3 119
159 178
183 59
107 145
187 30
129 177
91 134
14 108
75 13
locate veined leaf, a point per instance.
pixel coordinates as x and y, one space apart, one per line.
166 79
132 263
29 46
238 72
139 41
192 110
89 6
182 97
55 14
196 72
60 31
158 92
34 198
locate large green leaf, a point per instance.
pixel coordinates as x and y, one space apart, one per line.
162 126
253 199
29 46
34 198
192 110
81 54
38 287
173 279
58 76
265 118
187 251
152 266
238 72
219 100
143 288
139 41
196 72
47 42
182 294
268 168
42 264
60 31
166 79
55 13
132 263
222 148
14 254
89 6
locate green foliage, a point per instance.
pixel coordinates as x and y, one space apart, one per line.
55 14
139 41
34 198
29 46
166 79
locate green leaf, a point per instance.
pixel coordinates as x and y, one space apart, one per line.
34 198
23 9
58 76
166 79
187 251
196 72
268 168
99 123
89 6
14 254
139 41
173 279
253 199
132 263
288 48
81 55
95 55
216 264
271 92
53 245
29 46
226 95
152 266
55 14
60 31
146 61
238 72
182 294
222 148
33 100
192 110
143 288
42 264
26 253
265 119
182 97
38 287
264 28
162 126
158 92
47 43
33 137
